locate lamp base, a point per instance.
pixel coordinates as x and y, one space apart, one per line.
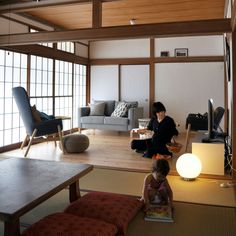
188 179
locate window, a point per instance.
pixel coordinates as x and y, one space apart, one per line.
50 45
79 90
13 71
58 92
66 46
63 90
41 84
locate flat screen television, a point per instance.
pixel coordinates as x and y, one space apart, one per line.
210 119
212 134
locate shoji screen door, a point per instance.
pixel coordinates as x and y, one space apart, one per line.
134 85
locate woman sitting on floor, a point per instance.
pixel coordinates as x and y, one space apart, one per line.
164 129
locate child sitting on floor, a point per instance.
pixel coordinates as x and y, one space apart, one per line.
156 188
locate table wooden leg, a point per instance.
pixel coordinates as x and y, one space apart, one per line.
74 191
12 228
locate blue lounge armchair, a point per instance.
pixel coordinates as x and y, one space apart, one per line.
50 129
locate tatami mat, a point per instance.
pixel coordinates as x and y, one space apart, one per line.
203 191
189 220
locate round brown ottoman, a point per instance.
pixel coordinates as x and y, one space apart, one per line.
75 143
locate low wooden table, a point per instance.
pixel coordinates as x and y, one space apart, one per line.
139 134
25 183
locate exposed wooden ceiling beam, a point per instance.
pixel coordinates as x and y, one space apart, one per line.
48 52
28 6
205 27
97 14
233 17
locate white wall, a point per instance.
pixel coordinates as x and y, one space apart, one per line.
183 87
120 48
186 87
197 46
81 50
10 27
104 83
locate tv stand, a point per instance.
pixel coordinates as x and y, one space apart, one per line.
215 137
211 156
213 140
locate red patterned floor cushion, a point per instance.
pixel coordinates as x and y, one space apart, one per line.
113 208
62 224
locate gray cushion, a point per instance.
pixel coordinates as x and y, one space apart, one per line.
132 104
109 106
74 143
97 109
121 110
92 119
116 121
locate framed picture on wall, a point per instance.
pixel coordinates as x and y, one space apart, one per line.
181 52
165 53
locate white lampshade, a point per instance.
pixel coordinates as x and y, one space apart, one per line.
188 166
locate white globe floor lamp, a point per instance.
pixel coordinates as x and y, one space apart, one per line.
189 166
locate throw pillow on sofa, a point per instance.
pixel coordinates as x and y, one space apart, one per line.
97 109
121 110
131 105
109 106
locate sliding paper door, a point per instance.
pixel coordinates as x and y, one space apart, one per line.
134 85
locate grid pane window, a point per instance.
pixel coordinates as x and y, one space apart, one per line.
79 89
55 96
63 90
41 87
66 46
12 74
50 45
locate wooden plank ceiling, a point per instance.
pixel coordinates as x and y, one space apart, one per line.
78 15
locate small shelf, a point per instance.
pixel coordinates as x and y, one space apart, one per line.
189 59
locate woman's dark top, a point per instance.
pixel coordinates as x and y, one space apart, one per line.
163 133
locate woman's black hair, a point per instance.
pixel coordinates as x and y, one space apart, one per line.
161 166
158 107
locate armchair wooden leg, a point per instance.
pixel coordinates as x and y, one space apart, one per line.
55 141
30 142
24 142
187 137
60 138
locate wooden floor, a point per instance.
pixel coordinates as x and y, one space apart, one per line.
106 150
110 154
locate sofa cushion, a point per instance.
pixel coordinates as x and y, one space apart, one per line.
113 208
120 110
97 109
116 121
131 105
109 106
70 225
92 119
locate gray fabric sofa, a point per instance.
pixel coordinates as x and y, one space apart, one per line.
107 122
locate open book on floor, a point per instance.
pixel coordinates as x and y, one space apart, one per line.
161 213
